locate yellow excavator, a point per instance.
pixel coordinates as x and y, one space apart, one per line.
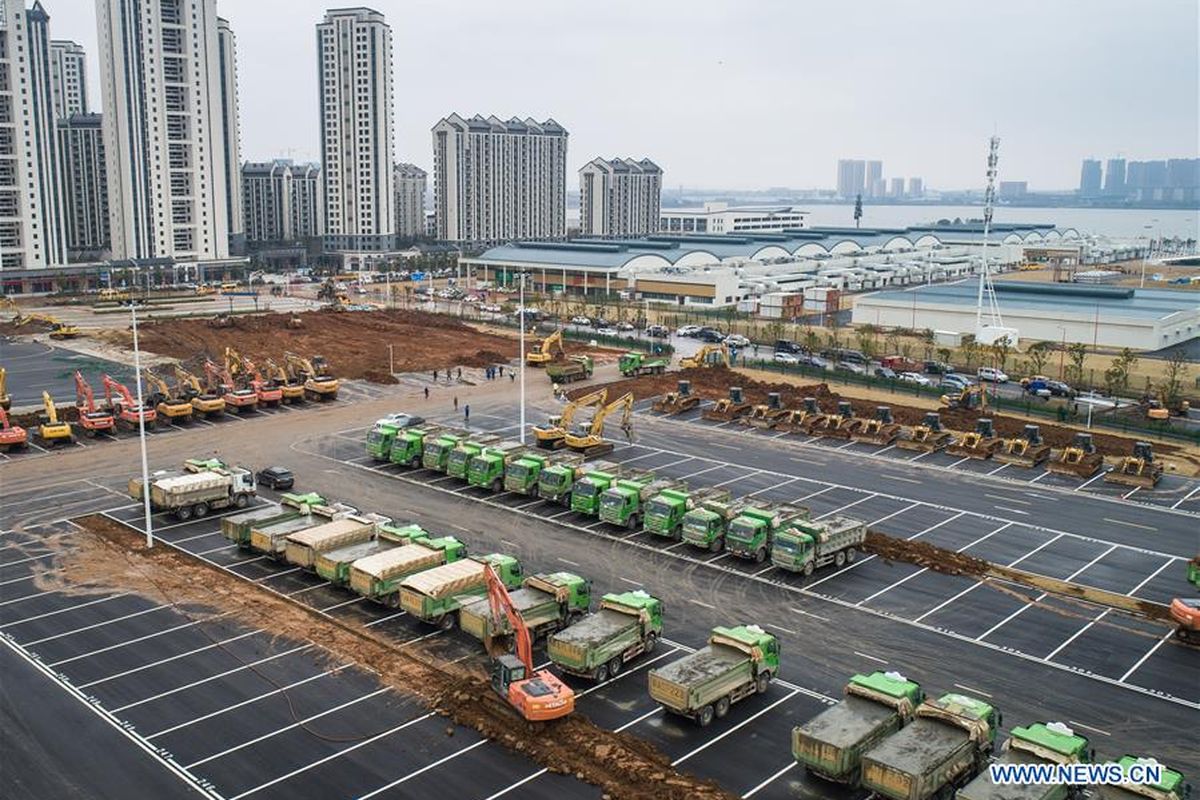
293 390
174 409
541 355
710 355
203 402
5 400
319 384
553 435
968 397
58 330
52 431
588 437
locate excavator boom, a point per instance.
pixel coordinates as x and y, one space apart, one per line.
553 435
5 400
707 356
591 441
52 431
542 350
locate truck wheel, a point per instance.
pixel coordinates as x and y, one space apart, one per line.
705 717
631 523
614 666
851 554
200 509
184 513
760 555
808 568
840 558
496 486
600 674
762 682
240 501
446 623
722 707
717 545
651 643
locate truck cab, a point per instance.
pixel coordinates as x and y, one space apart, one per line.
521 475
459 463
379 441
587 491
407 446
750 534
621 504
556 483
704 528
437 451
1171 787
664 513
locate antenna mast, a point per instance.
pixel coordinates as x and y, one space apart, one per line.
992 329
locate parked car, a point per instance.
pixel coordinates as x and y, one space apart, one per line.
400 419
658 331
606 331
956 380
886 372
785 358
600 322
711 335
992 375
736 340
580 320
814 361
276 478
787 346
850 366
688 330
938 368
915 377
1060 389
624 326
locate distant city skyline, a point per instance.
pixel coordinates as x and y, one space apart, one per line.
1045 133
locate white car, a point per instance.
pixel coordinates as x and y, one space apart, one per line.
736 340
786 358
992 375
688 330
580 320
914 377
624 326
607 331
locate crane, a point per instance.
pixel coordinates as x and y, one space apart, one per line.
540 355
188 386
12 437
126 409
5 400
92 419
588 438
221 382
51 432
319 384
293 391
707 356
537 696
553 435
168 406
237 365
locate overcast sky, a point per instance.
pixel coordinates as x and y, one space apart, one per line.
755 93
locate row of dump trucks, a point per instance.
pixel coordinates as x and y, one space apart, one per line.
887 737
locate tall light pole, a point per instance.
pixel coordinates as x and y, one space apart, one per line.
521 312
137 377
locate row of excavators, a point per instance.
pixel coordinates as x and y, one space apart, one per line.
586 436
237 385
1027 449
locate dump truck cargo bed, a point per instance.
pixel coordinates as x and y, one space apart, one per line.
335 565
303 547
535 607
597 628
923 756
846 724
272 538
232 526
982 788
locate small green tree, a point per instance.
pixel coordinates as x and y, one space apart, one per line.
866 341
774 330
972 353
812 340
1170 388
944 354
893 343
1000 351
1038 354
1077 353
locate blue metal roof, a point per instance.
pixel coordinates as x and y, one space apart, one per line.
1054 299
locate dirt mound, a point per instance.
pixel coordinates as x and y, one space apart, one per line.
713 383
32 419
925 555
114 557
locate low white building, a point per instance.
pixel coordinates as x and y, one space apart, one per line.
721 218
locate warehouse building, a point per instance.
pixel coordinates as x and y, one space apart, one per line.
1142 319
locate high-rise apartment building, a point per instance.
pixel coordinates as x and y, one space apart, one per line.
282 201
1114 177
497 181
68 78
852 176
916 187
355 70
897 188
230 134
1089 178
619 197
410 201
32 227
874 179
163 129
85 185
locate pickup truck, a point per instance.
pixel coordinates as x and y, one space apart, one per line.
1040 743
831 744
236 527
547 603
598 646
378 577
435 595
736 663
805 545
751 534
947 744
334 565
666 511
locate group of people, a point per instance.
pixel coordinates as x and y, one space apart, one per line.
492 373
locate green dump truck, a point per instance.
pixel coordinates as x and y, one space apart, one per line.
1171 787
378 577
831 744
705 525
634 364
547 602
666 510
575 368
380 439
487 468
597 647
943 748
804 545
625 502
1040 743
270 537
435 595
409 445
751 533
334 565
523 474
236 527
458 465
437 449
557 481
590 488
303 547
736 663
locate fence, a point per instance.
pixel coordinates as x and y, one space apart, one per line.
642 343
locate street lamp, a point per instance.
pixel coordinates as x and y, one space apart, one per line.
521 313
137 376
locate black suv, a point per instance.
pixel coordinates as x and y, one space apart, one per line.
787 346
276 478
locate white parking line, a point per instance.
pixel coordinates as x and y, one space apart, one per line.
128 642
750 474
1077 634
849 567
63 610
424 769
812 494
1149 653
1130 493
971 690
870 657
73 631
775 486
1151 577
691 475
385 619
740 725
27 560
1090 481
167 660
922 570
1130 524
848 505
1186 497
342 604
770 780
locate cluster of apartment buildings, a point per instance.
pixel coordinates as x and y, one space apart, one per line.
858 177
1165 180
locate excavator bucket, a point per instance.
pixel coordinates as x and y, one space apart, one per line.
980 443
728 408
1079 459
1141 469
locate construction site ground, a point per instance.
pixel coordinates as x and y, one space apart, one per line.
152 687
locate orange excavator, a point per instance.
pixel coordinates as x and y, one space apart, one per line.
92 419
537 696
239 366
126 409
12 437
221 382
